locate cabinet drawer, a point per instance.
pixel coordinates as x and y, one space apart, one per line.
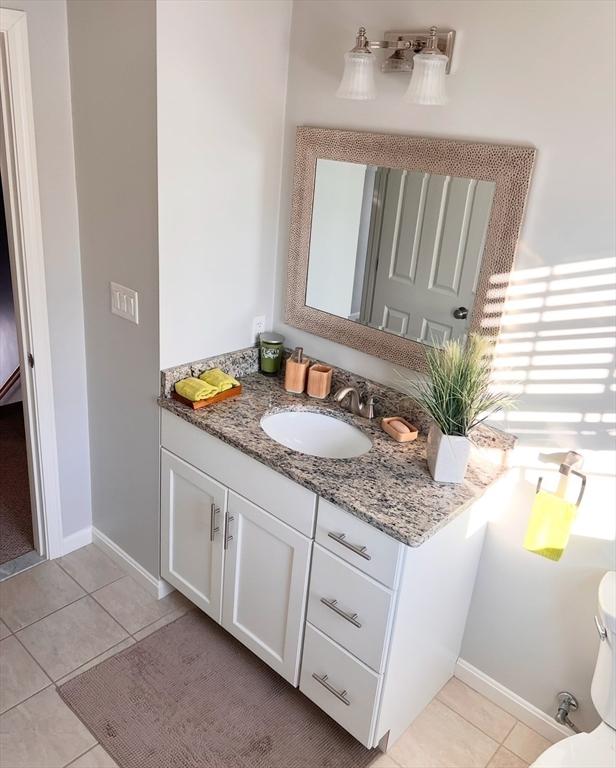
280 496
349 607
340 685
358 543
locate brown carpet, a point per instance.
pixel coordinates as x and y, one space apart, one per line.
191 696
15 512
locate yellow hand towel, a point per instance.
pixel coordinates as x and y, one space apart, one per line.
195 389
549 525
219 379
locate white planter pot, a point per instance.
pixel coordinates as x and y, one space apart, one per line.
447 456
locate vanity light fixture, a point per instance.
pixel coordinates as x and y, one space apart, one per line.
426 54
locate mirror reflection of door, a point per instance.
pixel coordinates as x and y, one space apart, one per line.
428 250
399 250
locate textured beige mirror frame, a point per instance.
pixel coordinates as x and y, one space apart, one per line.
510 167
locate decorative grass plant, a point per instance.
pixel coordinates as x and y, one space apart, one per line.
458 394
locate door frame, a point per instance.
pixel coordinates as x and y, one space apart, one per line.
23 217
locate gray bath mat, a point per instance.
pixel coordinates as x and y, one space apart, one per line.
191 696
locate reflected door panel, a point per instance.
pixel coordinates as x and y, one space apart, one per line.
428 253
397 250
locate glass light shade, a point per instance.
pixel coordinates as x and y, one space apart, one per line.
358 78
427 84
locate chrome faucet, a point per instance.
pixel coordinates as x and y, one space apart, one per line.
357 406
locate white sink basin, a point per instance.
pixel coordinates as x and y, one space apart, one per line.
316 434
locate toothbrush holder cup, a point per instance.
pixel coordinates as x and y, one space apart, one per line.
319 381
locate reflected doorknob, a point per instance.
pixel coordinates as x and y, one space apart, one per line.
461 313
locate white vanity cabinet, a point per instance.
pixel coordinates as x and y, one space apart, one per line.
192 514
245 564
265 582
368 627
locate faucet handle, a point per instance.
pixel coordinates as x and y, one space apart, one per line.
368 408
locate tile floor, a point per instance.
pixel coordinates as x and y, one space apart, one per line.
62 617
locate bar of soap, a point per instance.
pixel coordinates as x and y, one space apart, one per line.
399 426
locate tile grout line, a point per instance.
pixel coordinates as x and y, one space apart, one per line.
38 664
72 672
32 695
54 683
87 591
74 760
102 607
498 743
134 635
51 613
515 719
145 626
72 578
9 629
130 635
510 731
91 593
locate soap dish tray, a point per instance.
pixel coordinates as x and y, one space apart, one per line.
196 404
399 437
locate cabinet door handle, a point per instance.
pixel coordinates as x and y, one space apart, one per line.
214 510
228 537
341 695
333 606
359 549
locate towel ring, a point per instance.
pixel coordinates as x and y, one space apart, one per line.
577 474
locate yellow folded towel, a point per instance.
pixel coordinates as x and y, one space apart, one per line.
195 389
550 525
219 379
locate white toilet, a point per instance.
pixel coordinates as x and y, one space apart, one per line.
596 749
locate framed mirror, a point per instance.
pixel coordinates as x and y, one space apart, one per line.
401 242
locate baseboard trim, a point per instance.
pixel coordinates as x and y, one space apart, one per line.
506 699
156 587
77 540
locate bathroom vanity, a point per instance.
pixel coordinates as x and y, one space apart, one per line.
352 577
349 577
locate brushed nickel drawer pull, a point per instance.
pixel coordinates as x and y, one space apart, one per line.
333 605
338 694
228 537
214 510
357 548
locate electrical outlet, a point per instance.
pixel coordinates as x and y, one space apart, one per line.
258 326
124 302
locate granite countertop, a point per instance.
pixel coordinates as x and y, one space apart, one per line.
388 487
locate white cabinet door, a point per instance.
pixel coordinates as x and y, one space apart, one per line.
192 520
265 583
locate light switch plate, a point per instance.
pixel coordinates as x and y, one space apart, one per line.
124 302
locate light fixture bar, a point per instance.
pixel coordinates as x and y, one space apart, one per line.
362 44
414 41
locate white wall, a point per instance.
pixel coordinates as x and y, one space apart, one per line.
47 31
336 218
113 78
517 79
222 68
